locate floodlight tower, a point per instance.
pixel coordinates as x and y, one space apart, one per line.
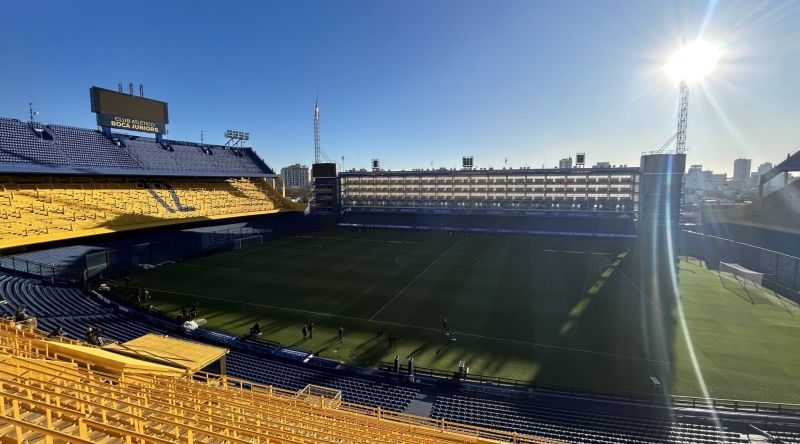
690 63
316 131
682 116
237 137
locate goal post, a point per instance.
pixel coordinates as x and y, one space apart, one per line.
240 243
740 272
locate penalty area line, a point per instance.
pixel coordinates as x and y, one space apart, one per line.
318 248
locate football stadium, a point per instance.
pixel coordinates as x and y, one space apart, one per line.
159 290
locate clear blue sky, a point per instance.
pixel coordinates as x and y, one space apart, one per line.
420 82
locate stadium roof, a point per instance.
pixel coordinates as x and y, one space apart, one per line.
44 169
792 163
495 171
107 360
169 351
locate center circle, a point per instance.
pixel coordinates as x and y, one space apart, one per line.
436 261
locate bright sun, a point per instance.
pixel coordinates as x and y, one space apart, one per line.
693 62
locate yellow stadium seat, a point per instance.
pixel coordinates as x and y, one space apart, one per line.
43 208
50 400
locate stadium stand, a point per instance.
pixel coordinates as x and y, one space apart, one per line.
54 145
598 202
543 419
41 208
493 224
76 400
91 148
61 182
64 183
777 211
21 144
291 376
57 305
551 417
179 156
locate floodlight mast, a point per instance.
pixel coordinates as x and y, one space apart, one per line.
316 131
682 116
237 137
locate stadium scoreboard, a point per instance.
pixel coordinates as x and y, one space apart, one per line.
327 170
123 111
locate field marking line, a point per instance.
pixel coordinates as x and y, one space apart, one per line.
579 252
262 246
477 261
386 241
629 281
361 240
206 266
415 279
397 324
318 248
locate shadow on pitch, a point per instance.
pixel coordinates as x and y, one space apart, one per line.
300 342
780 298
360 347
336 341
750 300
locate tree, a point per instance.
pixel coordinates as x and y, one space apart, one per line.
300 194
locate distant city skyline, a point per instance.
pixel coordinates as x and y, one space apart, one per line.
420 84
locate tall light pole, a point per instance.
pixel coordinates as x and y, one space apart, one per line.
316 132
690 64
682 116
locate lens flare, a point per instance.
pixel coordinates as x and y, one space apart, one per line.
693 62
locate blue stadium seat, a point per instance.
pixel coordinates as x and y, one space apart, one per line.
61 146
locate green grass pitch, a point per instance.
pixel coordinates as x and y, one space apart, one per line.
560 311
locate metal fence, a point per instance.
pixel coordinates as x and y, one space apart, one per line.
47 271
154 253
139 255
781 271
224 238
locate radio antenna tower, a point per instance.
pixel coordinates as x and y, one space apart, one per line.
682 114
316 131
32 112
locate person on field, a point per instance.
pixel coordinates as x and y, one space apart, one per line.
255 330
341 334
305 332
